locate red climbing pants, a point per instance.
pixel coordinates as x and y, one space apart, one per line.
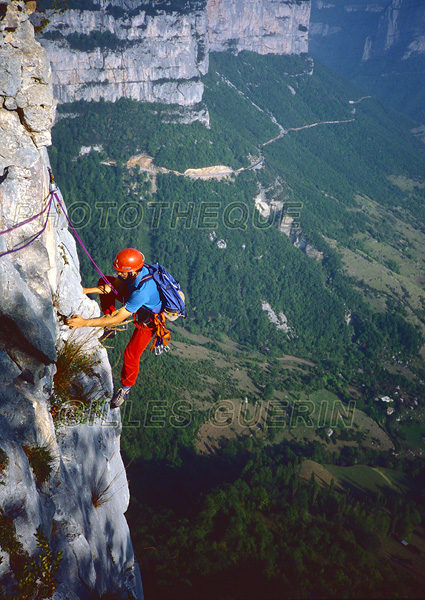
141 337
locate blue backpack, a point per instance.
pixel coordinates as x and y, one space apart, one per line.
171 294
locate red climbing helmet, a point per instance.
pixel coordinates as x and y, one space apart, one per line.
128 260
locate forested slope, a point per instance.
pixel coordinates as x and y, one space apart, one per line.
337 176
325 171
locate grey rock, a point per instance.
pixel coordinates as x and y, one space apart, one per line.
39 282
10 75
27 77
10 104
261 26
160 58
12 17
16 147
25 318
8 368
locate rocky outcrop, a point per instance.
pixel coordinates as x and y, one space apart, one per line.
380 45
152 58
401 25
261 26
40 283
160 55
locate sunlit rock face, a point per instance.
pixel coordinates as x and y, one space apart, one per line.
152 58
261 26
39 285
152 53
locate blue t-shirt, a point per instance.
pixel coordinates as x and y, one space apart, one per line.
147 295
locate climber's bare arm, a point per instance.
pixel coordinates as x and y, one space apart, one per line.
104 288
101 289
118 316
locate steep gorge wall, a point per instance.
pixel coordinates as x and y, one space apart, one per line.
150 58
40 283
369 30
261 26
123 50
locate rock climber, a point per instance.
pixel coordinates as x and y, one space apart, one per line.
143 300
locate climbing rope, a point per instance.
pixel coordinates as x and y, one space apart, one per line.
53 190
161 335
29 219
53 196
47 207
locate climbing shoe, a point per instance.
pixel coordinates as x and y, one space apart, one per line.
108 334
119 397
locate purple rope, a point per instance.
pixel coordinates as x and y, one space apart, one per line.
48 205
28 220
54 195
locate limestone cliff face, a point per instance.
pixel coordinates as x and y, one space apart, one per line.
39 283
152 58
121 50
262 26
402 23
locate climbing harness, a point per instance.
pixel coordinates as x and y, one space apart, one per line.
161 335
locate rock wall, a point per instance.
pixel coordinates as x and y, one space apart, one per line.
152 58
121 50
40 283
402 23
262 26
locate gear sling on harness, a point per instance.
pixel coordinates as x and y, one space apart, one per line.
161 335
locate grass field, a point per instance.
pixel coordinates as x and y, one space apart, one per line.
358 478
223 371
414 434
370 479
362 479
303 416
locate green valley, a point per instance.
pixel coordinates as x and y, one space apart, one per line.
303 267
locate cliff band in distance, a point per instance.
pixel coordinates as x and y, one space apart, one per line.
160 55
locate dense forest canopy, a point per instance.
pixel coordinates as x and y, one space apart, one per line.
322 170
341 178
